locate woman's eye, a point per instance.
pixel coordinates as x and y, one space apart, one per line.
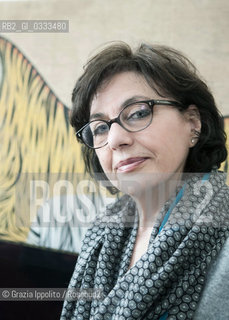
100 129
139 114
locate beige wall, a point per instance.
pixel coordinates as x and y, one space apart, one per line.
200 28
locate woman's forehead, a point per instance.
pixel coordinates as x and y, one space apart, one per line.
121 88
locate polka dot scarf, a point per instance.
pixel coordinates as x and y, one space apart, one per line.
167 281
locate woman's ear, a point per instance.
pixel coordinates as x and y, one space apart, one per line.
192 116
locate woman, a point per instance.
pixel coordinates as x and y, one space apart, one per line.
149 125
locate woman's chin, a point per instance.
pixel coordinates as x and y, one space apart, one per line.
137 184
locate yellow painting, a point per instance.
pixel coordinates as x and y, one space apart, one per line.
35 136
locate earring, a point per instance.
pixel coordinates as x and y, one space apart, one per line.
193 140
196 136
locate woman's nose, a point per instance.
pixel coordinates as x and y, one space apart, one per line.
118 137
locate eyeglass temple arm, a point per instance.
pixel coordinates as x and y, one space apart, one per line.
167 102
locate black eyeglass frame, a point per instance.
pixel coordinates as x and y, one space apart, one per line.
151 104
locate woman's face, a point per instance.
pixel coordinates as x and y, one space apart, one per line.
138 160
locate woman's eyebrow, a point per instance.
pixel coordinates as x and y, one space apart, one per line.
100 115
95 116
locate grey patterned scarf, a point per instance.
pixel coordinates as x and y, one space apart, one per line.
167 281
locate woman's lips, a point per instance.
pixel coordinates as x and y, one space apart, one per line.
129 164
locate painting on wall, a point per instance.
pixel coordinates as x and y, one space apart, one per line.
37 145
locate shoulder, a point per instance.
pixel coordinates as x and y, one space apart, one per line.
214 301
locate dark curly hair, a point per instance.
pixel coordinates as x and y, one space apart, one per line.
163 68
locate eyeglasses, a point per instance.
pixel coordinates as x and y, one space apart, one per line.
133 118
